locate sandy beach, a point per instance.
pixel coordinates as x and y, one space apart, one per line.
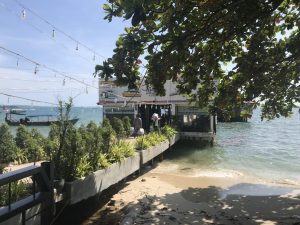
162 198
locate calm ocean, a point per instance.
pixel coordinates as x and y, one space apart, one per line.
266 150
85 115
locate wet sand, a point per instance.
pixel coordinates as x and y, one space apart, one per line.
161 198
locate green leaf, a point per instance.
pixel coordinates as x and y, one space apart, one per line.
106 7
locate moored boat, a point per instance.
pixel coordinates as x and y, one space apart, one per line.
16 117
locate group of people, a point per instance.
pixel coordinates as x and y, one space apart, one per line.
157 122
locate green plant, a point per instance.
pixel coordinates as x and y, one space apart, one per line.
83 168
19 190
152 138
103 161
7 145
116 154
93 143
57 149
108 136
127 125
118 127
19 156
127 148
142 143
168 131
31 142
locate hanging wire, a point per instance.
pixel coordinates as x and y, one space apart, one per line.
63 74
27 99
42 32
57 29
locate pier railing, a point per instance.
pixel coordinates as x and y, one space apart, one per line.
41 198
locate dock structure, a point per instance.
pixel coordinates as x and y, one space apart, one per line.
192 122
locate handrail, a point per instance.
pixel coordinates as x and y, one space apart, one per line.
19 174
42 176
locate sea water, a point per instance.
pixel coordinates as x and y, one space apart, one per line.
85 115
266 150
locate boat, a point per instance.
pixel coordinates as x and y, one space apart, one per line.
16 117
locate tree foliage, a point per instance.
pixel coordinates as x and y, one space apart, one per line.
191 42
7 145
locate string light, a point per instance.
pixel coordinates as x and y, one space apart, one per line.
17 62
36 69
23 14
57 29
53 33
64 82
77 47
56 72
94 57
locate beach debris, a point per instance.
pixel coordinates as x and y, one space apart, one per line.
143 180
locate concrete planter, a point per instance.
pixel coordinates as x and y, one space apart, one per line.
100 180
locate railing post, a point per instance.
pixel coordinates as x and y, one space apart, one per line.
48 206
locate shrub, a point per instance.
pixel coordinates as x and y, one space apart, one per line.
19 156
127 125
118 127
19 190
168 131
108 136
93 143
142 143
127 148
31 142
116 154
83 168
103 161
7 145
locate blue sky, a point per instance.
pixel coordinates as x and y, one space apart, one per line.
31 37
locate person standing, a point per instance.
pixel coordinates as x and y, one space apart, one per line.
155 120
137 124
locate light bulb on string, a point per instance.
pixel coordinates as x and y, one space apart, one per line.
23 14
17 62
8 100
64 82
36 69
53 33
77 47
94 57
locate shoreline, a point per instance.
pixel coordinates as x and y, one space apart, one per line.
163 198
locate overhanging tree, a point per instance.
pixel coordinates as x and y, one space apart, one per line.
192 41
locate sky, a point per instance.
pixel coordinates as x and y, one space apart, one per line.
24 33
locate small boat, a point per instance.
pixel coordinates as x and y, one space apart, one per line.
16 117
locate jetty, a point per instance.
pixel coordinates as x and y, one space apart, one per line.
191 121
